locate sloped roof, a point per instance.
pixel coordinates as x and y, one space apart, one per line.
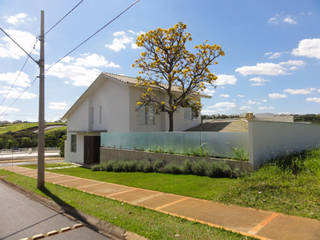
101 78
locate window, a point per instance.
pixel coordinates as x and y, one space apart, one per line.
91 116
100 114
73 143
146 115
189 114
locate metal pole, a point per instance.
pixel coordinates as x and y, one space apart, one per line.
41 108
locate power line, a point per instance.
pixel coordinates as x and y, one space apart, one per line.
54 25
92 35
4 113
19 73
18 45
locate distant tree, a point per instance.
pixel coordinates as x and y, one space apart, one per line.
167 66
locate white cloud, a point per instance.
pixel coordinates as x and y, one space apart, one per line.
58 105
4 109
308 48
225 79
273 55
265 108
258 81
209 91
277 95
279 18
16 19
253 102
122 39
270 69
290 20
244 108
314 99
94 60
225 95
296 63
21 80
16 93
223 106
301 91
81 71
9 50
241 95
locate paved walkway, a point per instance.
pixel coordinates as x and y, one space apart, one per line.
247 221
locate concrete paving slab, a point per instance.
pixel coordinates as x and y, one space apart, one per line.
78 183
161 200
285 227
63 179
105 189
230 216
134 195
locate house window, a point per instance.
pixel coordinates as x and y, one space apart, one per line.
73 143
146 115
100 114
91 116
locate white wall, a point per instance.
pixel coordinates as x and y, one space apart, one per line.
270 139
113 96
79 120
76 157
161 119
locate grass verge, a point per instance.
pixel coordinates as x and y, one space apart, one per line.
290 185
148 223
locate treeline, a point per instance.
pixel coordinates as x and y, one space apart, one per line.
220 116
27 138
307 118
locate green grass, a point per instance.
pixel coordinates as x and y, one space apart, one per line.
63 128
147 223
188 185
16 127
49 165
291 185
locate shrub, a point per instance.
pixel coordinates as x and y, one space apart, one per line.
171 168
187 167
199 168
147 167
157 165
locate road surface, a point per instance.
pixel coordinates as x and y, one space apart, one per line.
22 217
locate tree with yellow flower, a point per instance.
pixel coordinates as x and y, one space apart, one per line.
169 70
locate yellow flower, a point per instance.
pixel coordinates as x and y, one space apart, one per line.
174 107
149 89
139 103
221 53
215 62
163 102
133 65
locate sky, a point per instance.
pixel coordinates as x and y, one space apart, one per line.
271 62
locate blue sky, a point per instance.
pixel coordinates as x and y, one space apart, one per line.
272 61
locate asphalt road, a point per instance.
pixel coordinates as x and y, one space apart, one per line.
21 217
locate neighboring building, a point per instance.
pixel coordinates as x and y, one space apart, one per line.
109 105
273 117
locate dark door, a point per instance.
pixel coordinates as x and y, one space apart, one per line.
91 149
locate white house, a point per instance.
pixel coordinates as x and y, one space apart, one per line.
109 105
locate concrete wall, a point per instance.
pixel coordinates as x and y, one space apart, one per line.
76 157
274 118
271 139
113 97
108 154
79 120
161 119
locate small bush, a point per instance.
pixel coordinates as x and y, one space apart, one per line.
157 165
199 168
187 167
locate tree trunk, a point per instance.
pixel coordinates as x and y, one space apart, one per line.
170 121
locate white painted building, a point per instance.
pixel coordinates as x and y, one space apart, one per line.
109 105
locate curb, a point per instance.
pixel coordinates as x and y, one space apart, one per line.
96 224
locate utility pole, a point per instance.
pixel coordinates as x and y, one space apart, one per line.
41 108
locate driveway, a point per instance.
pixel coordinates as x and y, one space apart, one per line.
22 217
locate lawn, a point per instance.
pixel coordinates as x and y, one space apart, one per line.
148 223
16 127
291 185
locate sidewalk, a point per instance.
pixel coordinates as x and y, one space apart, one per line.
246 221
